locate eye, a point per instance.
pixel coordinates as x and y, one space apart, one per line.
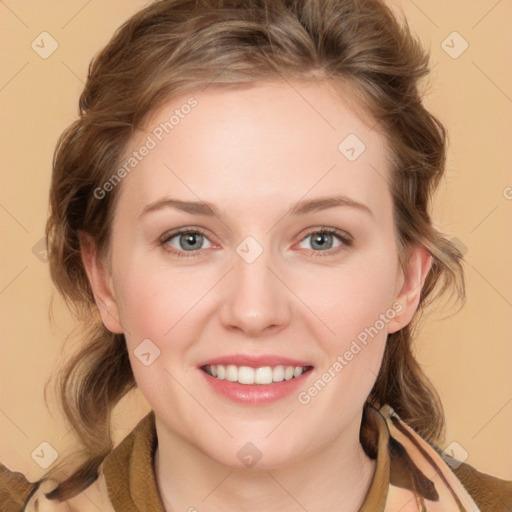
327 240
185 240
190 241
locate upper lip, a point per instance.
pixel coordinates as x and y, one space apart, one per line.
254 361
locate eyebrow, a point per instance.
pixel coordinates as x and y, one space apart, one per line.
300 208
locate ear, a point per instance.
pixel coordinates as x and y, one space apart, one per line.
100 280
410 283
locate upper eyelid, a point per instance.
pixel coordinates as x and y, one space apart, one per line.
180 231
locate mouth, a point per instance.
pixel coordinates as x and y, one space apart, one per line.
253 380
262 375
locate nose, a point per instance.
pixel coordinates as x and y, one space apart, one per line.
256 300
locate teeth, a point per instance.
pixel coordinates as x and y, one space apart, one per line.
248 375
278 374
263 375
288 372
231 373
297 372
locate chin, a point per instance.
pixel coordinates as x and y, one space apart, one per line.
259 454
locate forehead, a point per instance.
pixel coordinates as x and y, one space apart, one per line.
273 140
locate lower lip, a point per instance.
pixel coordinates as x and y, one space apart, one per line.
255 394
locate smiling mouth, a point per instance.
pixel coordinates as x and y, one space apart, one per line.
263 375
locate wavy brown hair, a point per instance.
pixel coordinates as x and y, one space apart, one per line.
176 46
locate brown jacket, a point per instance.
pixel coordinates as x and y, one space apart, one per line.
410 476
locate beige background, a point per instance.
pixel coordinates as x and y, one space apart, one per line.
467 356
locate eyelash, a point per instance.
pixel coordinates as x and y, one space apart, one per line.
342 237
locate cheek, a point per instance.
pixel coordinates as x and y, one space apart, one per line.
356 307
153 300
156 304
351 299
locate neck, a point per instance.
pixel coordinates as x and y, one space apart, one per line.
336 478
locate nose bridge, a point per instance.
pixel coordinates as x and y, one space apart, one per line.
257 299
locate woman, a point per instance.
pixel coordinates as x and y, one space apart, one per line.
240 217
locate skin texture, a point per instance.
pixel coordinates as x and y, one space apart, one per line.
253 153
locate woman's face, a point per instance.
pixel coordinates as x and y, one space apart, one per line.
258 282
